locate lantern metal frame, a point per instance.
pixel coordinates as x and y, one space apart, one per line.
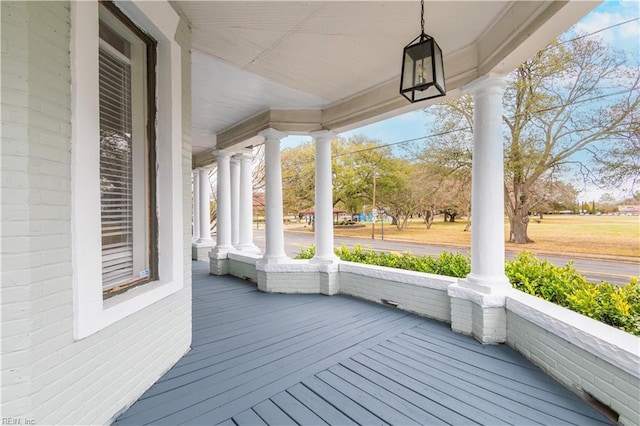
422 67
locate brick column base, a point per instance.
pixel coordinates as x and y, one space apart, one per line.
218 263
480 315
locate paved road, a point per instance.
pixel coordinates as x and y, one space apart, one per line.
615 272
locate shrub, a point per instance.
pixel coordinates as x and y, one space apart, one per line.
618 306
450 264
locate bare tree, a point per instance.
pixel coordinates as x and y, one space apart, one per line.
619 166
571 96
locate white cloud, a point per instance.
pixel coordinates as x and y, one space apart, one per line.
612 13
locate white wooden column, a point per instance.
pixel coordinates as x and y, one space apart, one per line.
196 205
223 242
487 192
246 205
204 204
323 199
274 233
478 300
235 200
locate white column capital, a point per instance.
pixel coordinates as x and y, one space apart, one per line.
271 134
245 154
219 153
488 83
323 135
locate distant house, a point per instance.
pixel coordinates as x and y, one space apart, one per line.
629 209
309 215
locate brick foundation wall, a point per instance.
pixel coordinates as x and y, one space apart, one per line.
423 294
585 355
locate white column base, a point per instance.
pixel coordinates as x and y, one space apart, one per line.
329 280
325 260
477 312
248 249
219 261
274 260
297 276
486 284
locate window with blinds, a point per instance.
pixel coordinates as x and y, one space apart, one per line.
116 186
125 150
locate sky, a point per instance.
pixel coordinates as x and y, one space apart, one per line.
414 124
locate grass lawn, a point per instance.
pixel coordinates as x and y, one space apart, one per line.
599 235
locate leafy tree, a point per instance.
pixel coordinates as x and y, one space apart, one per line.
355 162
298 177
396 195
561 101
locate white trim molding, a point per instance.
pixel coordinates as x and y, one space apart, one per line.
90 312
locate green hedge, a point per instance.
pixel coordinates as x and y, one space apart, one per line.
613 305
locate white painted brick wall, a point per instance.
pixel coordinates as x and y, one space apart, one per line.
489 324
201 253
608 358
461 316
289 282
579 370
422 294
219 266
243 266
47 376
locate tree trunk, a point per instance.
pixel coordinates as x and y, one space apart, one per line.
468 226
519 225
428 219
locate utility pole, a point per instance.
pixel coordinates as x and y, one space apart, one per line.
373 207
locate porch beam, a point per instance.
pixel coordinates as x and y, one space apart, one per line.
292 121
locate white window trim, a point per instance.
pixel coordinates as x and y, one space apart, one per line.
90 312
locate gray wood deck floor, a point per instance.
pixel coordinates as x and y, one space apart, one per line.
276 359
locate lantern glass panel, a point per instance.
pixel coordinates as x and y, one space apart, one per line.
439 66
422 70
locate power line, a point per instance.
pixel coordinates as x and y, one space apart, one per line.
592 33
466 128
517 115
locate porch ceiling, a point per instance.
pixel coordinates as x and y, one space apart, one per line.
343 57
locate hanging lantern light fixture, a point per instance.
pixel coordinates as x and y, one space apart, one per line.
422 67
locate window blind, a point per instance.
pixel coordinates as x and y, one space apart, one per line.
116 168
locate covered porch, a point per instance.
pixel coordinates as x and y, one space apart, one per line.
260 358
485 41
